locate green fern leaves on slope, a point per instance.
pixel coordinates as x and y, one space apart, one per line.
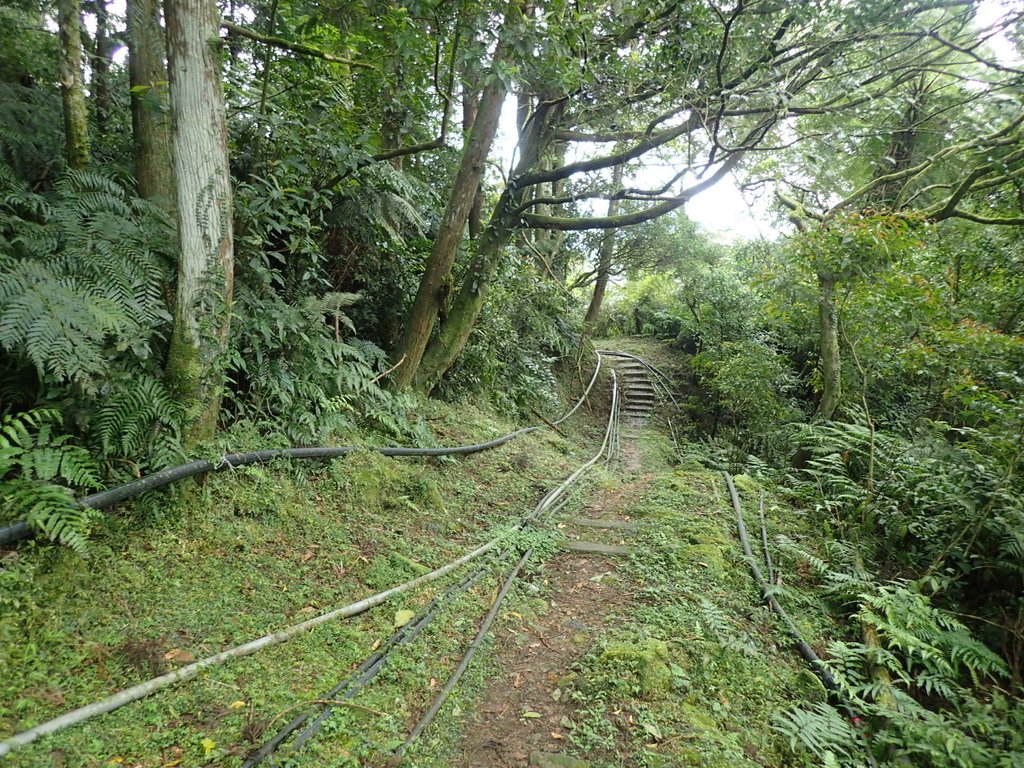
83 273
140 420
36 469
81 276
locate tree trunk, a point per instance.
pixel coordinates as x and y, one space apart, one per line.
202 311
470 106
151 121
101 68
430 296
72 85
604 265
831 370
465 310
395 112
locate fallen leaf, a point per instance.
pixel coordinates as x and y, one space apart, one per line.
531 715
308 555
237 704
403 617
178 656
556 735
653 731
557 694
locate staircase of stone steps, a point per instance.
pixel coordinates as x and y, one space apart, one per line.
603 535
638 394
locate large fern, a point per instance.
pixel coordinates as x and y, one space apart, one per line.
82 276
140 420
38 470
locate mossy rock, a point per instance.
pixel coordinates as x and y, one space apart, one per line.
646 659
747 484
711 555
426 494
689 463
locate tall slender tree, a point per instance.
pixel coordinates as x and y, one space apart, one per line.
151 119
605 256
202 182
72 84
461 199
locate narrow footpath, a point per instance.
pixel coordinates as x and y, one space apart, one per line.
525 715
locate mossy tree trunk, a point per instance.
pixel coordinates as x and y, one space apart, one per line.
605 256
151 120
102 50
470 107
465 309
431 296
202 184
72 84
828 342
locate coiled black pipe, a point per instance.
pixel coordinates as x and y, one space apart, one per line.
108 498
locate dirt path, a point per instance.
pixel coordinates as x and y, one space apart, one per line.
524 709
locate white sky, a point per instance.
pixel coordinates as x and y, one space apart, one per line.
722 210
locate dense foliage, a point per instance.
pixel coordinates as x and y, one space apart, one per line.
868 360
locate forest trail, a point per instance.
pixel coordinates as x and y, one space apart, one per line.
523 717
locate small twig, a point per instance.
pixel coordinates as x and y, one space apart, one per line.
534 412
377 378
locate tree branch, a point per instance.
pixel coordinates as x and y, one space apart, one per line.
566 223
616 158
288 45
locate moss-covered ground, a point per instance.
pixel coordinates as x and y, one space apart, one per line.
690 673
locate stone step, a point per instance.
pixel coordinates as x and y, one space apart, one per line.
590 522
595 548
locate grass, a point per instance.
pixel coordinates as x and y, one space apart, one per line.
697 668
692 674
249 552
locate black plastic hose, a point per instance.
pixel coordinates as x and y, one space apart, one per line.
350 686
805 649
839 698
108 498
362 674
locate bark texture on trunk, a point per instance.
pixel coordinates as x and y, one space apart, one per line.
101 68
430 296
607 253
465 309
202 312
470 106
151 120
72 84
828 341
